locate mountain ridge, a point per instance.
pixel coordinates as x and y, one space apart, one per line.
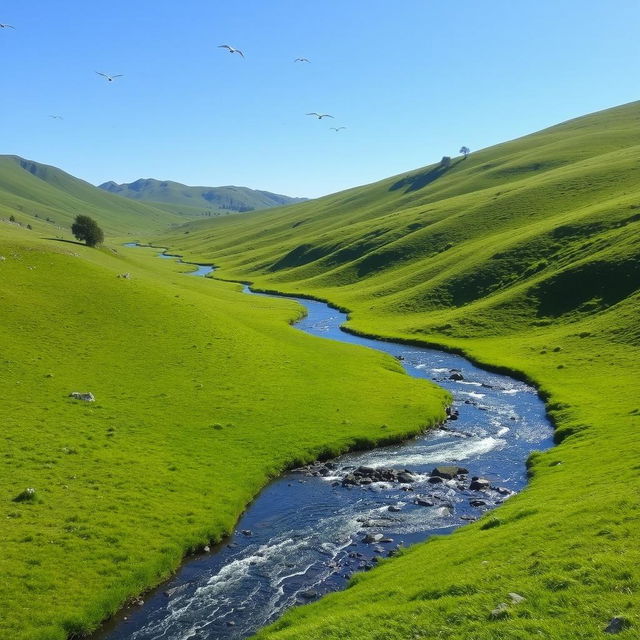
214 200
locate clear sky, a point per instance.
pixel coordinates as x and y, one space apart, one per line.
412 81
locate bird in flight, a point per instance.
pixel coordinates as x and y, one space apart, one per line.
230 49
108 77
336 129
57 117
302 60
6 26
319 115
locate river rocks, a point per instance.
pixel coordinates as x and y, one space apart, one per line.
435 480
456 376
309 594
405 477
394 508
246 532
479 484
448 472
477 503
363 476
372 538
85 396
423 502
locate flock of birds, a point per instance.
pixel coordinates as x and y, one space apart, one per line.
110 78
231 49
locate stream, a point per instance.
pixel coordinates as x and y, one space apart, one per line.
309 531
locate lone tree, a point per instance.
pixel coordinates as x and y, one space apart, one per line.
465 151
86 229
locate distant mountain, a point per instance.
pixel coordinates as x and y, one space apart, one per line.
35 193
185 200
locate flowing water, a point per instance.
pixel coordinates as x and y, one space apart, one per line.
306 533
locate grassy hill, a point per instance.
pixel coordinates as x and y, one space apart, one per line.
207 201
49 199
525 256
176 444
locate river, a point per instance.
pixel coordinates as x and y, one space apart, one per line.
306 533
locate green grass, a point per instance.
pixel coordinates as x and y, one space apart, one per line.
202 395
204 201
49 199
525 256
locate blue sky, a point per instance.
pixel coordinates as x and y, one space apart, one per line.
411 81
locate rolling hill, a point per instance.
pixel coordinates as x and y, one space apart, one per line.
177 443
49 199
207 201
525 256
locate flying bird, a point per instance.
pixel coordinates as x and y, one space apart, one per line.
108 77
57 117
230 49
319 115
302 60
336 129
6 26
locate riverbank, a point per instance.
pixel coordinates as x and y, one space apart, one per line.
173 448
536 544
309 531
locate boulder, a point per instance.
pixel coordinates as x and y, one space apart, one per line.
309 594
477 503
456 376
435 480
394 508
516 598
372 538
479 484
85 396
405 477
501 611
423 502
449 471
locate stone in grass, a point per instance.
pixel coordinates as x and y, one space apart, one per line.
500 612
516 598
28 495
86 397
617 624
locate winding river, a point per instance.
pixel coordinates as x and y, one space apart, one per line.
307 532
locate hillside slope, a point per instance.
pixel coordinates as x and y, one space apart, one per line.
176 443
525 256
47 197
182 199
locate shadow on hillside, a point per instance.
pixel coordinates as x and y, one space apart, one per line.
420 180
82 244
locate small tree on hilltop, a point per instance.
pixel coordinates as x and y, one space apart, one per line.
465 151
87 230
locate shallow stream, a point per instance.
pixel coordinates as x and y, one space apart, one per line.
307 532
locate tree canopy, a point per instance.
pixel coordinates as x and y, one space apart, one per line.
87 230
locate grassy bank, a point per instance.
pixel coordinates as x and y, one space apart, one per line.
202 395
525 256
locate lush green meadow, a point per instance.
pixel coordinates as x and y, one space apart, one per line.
202 395
525 256
49 199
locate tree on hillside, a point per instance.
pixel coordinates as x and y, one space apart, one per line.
465 151
87 230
